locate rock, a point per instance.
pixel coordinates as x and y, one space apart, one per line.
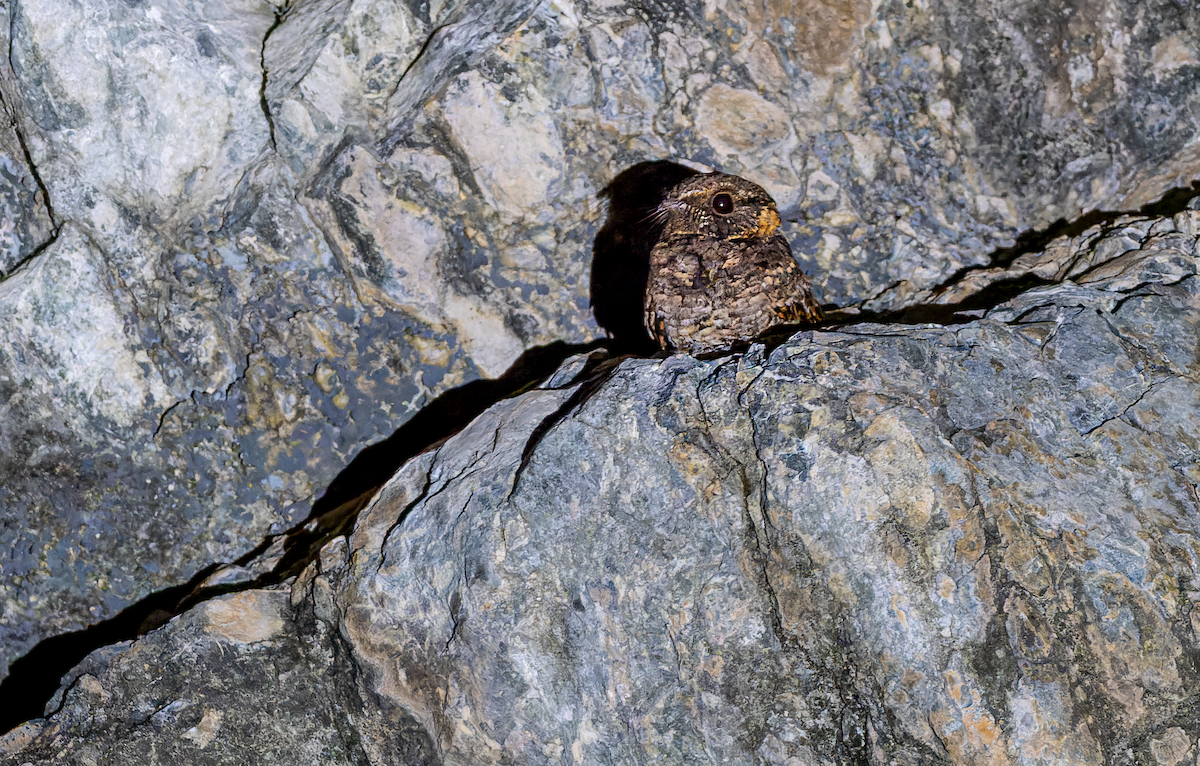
25 223
969 543
293 225
273 688
184 429
1099 252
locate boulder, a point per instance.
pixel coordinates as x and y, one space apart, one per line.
968 542
242 241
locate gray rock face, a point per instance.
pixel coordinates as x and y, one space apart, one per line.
25 222
972 543
269 693
273 232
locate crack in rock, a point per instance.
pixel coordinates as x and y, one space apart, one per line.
280 16
14 123
279 557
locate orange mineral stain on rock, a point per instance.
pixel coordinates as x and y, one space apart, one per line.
900 608
247 617
825 31
983 735
738 121
974 737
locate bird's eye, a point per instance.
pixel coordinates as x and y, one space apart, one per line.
722 204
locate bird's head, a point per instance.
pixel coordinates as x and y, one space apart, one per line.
720 206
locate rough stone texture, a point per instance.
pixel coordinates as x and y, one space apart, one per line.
975 543
187 365
935 544
285 227
25 222
246 679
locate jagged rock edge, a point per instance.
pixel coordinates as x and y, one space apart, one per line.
195 593
446 57
1172 202
33 254
157 608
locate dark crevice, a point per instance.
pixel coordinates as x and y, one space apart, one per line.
163 417
596 372
33 171
621 256
1125 411
407 509
1141 290
12 24
396 134
55 226
998 292
448 50
966 310
761 541
337 509
424 47
34 678
1171 202
456 618
32 254
280 15
440 419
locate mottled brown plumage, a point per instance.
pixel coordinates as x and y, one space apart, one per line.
721 271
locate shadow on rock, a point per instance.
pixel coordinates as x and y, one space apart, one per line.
336 510
34 678
619 273
621 252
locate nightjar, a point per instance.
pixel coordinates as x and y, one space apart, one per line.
721 272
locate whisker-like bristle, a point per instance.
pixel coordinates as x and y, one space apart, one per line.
658 215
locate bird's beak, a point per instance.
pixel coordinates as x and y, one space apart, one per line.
768 223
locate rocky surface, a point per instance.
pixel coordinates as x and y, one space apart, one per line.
25 222
966 543
244 679
241 240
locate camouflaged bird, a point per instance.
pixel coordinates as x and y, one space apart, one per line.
721 272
